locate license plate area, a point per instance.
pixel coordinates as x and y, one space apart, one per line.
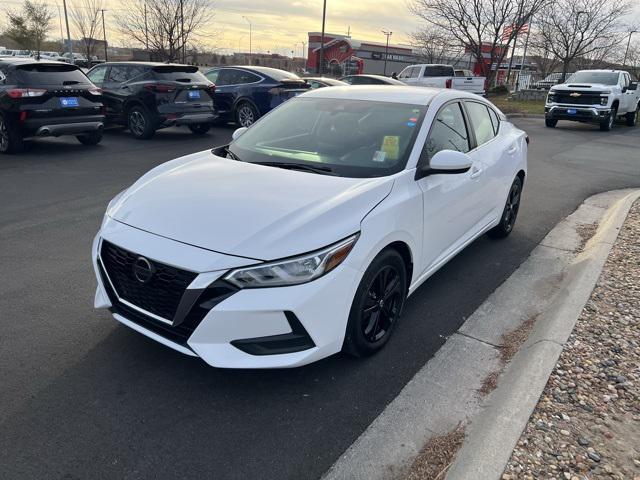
69 102
571 111
194 95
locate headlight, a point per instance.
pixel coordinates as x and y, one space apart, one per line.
293 271
551 97
604 100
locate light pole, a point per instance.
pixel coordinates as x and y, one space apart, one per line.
250 35
624 62
66 20
104 36
324 16
386 50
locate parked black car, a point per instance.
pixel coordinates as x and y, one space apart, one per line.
42 99
146 96
244 94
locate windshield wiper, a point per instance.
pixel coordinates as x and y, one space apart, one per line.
300 166
232 155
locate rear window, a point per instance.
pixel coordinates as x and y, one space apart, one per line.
438 71
181 73
43 74
276 74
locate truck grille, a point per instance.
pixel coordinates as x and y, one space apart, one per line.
585 98
160 295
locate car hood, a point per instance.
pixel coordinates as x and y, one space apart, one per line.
247 210
593 87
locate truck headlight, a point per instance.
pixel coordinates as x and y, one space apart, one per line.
295 270
551 97
604 100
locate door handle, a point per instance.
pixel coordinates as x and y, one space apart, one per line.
476 172
512 149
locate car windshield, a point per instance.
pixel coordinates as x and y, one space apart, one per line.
605 78
351 138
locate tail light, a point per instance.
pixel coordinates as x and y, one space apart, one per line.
448 83
95 91
26 92
23 116
276 90
160 87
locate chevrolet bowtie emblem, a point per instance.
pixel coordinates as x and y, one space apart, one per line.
575 94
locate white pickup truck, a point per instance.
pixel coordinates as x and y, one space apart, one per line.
594 96
440 76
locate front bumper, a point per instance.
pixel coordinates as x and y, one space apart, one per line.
254 328
591 114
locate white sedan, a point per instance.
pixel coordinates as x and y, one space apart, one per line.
306 234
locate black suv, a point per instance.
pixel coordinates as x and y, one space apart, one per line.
146 96
44 99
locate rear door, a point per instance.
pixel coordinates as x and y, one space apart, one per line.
226 81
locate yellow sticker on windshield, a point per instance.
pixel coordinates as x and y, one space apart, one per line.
391 146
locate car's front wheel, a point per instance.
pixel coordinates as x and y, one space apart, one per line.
607 123
377 304
200 128
10 139
510 211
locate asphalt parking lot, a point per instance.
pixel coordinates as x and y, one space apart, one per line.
83 397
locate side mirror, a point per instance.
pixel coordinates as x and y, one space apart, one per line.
237 132
450 161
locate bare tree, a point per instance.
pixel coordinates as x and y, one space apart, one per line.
29 27
436 46
85 17
166 27
581 28
479 25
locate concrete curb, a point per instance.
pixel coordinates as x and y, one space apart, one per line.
552 283
494 432
524 115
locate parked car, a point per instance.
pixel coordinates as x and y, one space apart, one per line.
306 234
44 99
22 53
548 81
244 94
94 60
147 96
594 96
321 82
78 59
441 76
370 80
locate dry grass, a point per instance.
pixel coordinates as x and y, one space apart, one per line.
586 231
437 456
517 106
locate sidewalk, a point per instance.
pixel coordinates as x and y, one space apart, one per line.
586 424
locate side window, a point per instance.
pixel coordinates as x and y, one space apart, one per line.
405 73
480 122
136 72
313 84
213 76
494 120
226 76
625 80
415 73
247 77
448 132
97 75
118 74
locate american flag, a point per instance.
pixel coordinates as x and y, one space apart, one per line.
507 31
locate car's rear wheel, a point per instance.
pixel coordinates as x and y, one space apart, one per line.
510 211
632 117
551 123
10 139
140 123
377 305
93 138
607 123
200 128
246 114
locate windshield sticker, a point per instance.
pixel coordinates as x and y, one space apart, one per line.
411 124
391 146
379 156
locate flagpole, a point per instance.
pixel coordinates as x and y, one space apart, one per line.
513 52
524 54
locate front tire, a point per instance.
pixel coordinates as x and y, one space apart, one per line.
10 138
632 117
246 114
140 123
509 213
93 138
200 128
377 305
550 123
607 124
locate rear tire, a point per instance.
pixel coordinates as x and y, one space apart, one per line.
246 114
632 117
509 213
607 124
377 305
10 138
200 128
93 138
551 123
140 123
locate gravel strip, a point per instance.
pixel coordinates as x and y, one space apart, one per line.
587 422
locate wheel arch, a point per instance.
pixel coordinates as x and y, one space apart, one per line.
405 252
616 104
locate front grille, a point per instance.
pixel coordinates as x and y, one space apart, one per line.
160 295
585 98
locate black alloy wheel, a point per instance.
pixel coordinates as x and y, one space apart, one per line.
140 123
377 304
10 139
246 115
510 212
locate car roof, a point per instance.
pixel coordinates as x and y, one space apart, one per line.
147 64
390 93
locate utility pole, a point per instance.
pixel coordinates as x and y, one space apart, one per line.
104 36
66 20
321 60
146 31
182 50
250 35
624 62
386 50
60 21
